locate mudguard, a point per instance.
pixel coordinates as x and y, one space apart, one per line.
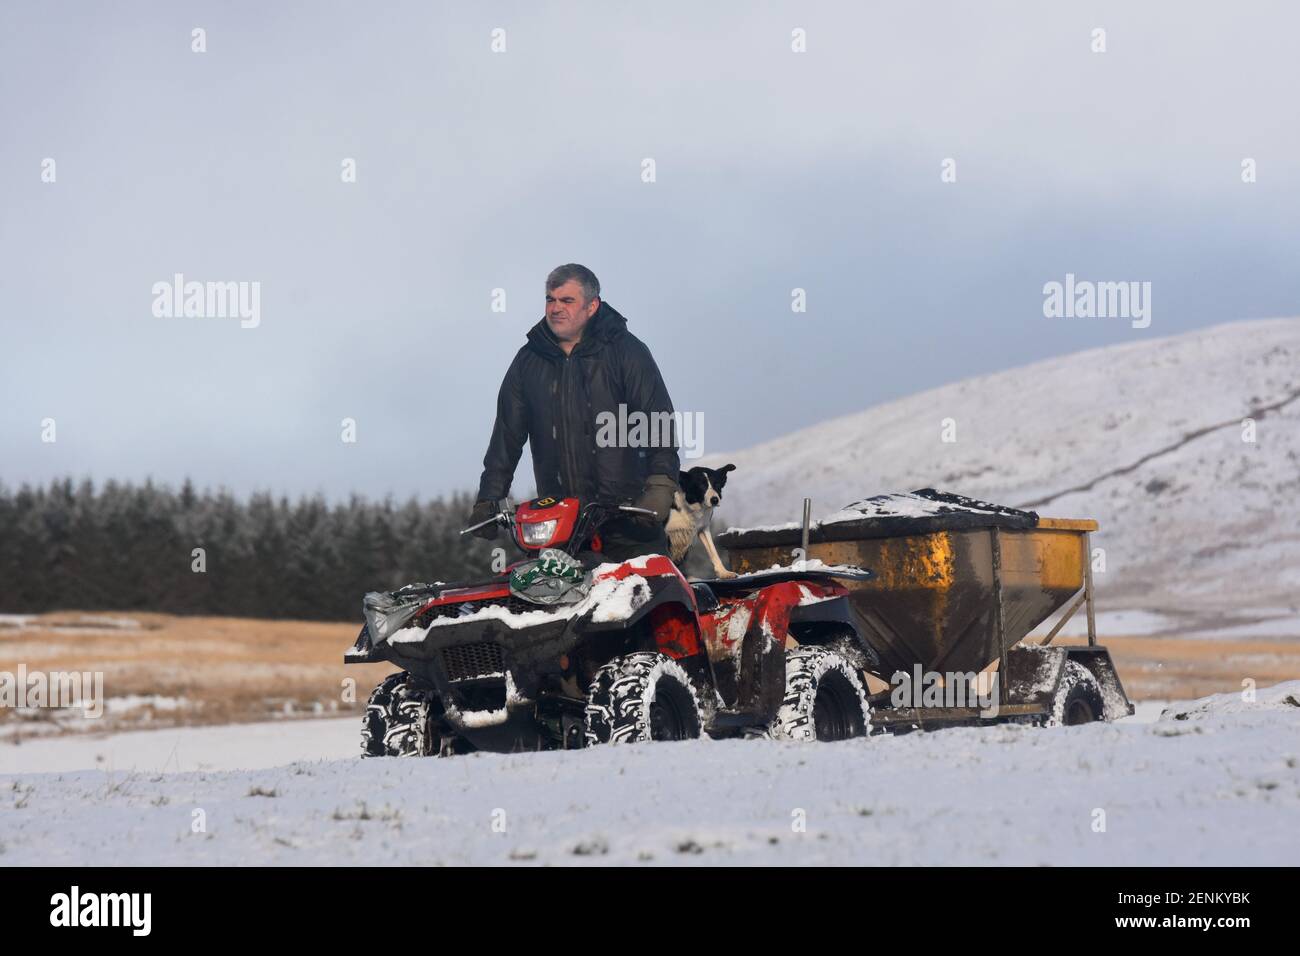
1034 674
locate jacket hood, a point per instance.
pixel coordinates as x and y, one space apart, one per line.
605 327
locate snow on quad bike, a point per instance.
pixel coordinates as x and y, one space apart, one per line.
563 651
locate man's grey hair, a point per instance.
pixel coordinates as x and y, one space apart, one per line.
581 274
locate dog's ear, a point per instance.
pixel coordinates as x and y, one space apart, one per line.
693 484
681 479
720 476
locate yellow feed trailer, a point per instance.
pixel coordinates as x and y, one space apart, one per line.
932 600
956 585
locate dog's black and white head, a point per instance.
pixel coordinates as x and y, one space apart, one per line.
699 492
702 487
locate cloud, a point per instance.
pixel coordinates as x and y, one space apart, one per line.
478 171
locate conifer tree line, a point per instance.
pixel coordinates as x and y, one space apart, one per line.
130 547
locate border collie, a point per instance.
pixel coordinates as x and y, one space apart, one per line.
700 491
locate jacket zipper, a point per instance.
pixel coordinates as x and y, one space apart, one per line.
570 457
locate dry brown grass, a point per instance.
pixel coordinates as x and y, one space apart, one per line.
1179 668
232 670
227 669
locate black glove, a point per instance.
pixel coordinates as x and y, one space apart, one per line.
482 511
657 496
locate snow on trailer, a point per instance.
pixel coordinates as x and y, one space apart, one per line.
958 585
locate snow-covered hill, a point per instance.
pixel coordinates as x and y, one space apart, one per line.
1149 438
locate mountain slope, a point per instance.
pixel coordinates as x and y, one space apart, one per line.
1147 437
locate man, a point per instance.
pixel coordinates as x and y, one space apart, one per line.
580 361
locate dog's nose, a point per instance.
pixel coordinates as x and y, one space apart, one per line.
714 500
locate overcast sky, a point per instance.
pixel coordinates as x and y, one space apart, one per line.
478 170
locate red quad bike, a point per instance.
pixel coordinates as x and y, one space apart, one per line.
642 655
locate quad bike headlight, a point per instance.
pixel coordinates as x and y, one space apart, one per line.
539 532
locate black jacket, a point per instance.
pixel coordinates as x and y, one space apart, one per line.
554 402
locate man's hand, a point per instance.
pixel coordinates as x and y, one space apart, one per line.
657 496
483 510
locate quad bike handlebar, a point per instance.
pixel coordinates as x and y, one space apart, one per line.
499 517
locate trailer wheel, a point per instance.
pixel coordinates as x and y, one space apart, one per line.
1078 699
824 698
398 720
641 696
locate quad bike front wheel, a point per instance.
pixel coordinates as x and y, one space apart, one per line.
398 720
824 698
641 696
1078 699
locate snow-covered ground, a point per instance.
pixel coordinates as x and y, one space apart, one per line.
1199 508
1215 781
234 746
186 749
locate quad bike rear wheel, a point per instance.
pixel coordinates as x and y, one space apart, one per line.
398 721
1078 699
641 696
824 698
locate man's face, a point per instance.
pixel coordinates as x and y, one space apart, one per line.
567 313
